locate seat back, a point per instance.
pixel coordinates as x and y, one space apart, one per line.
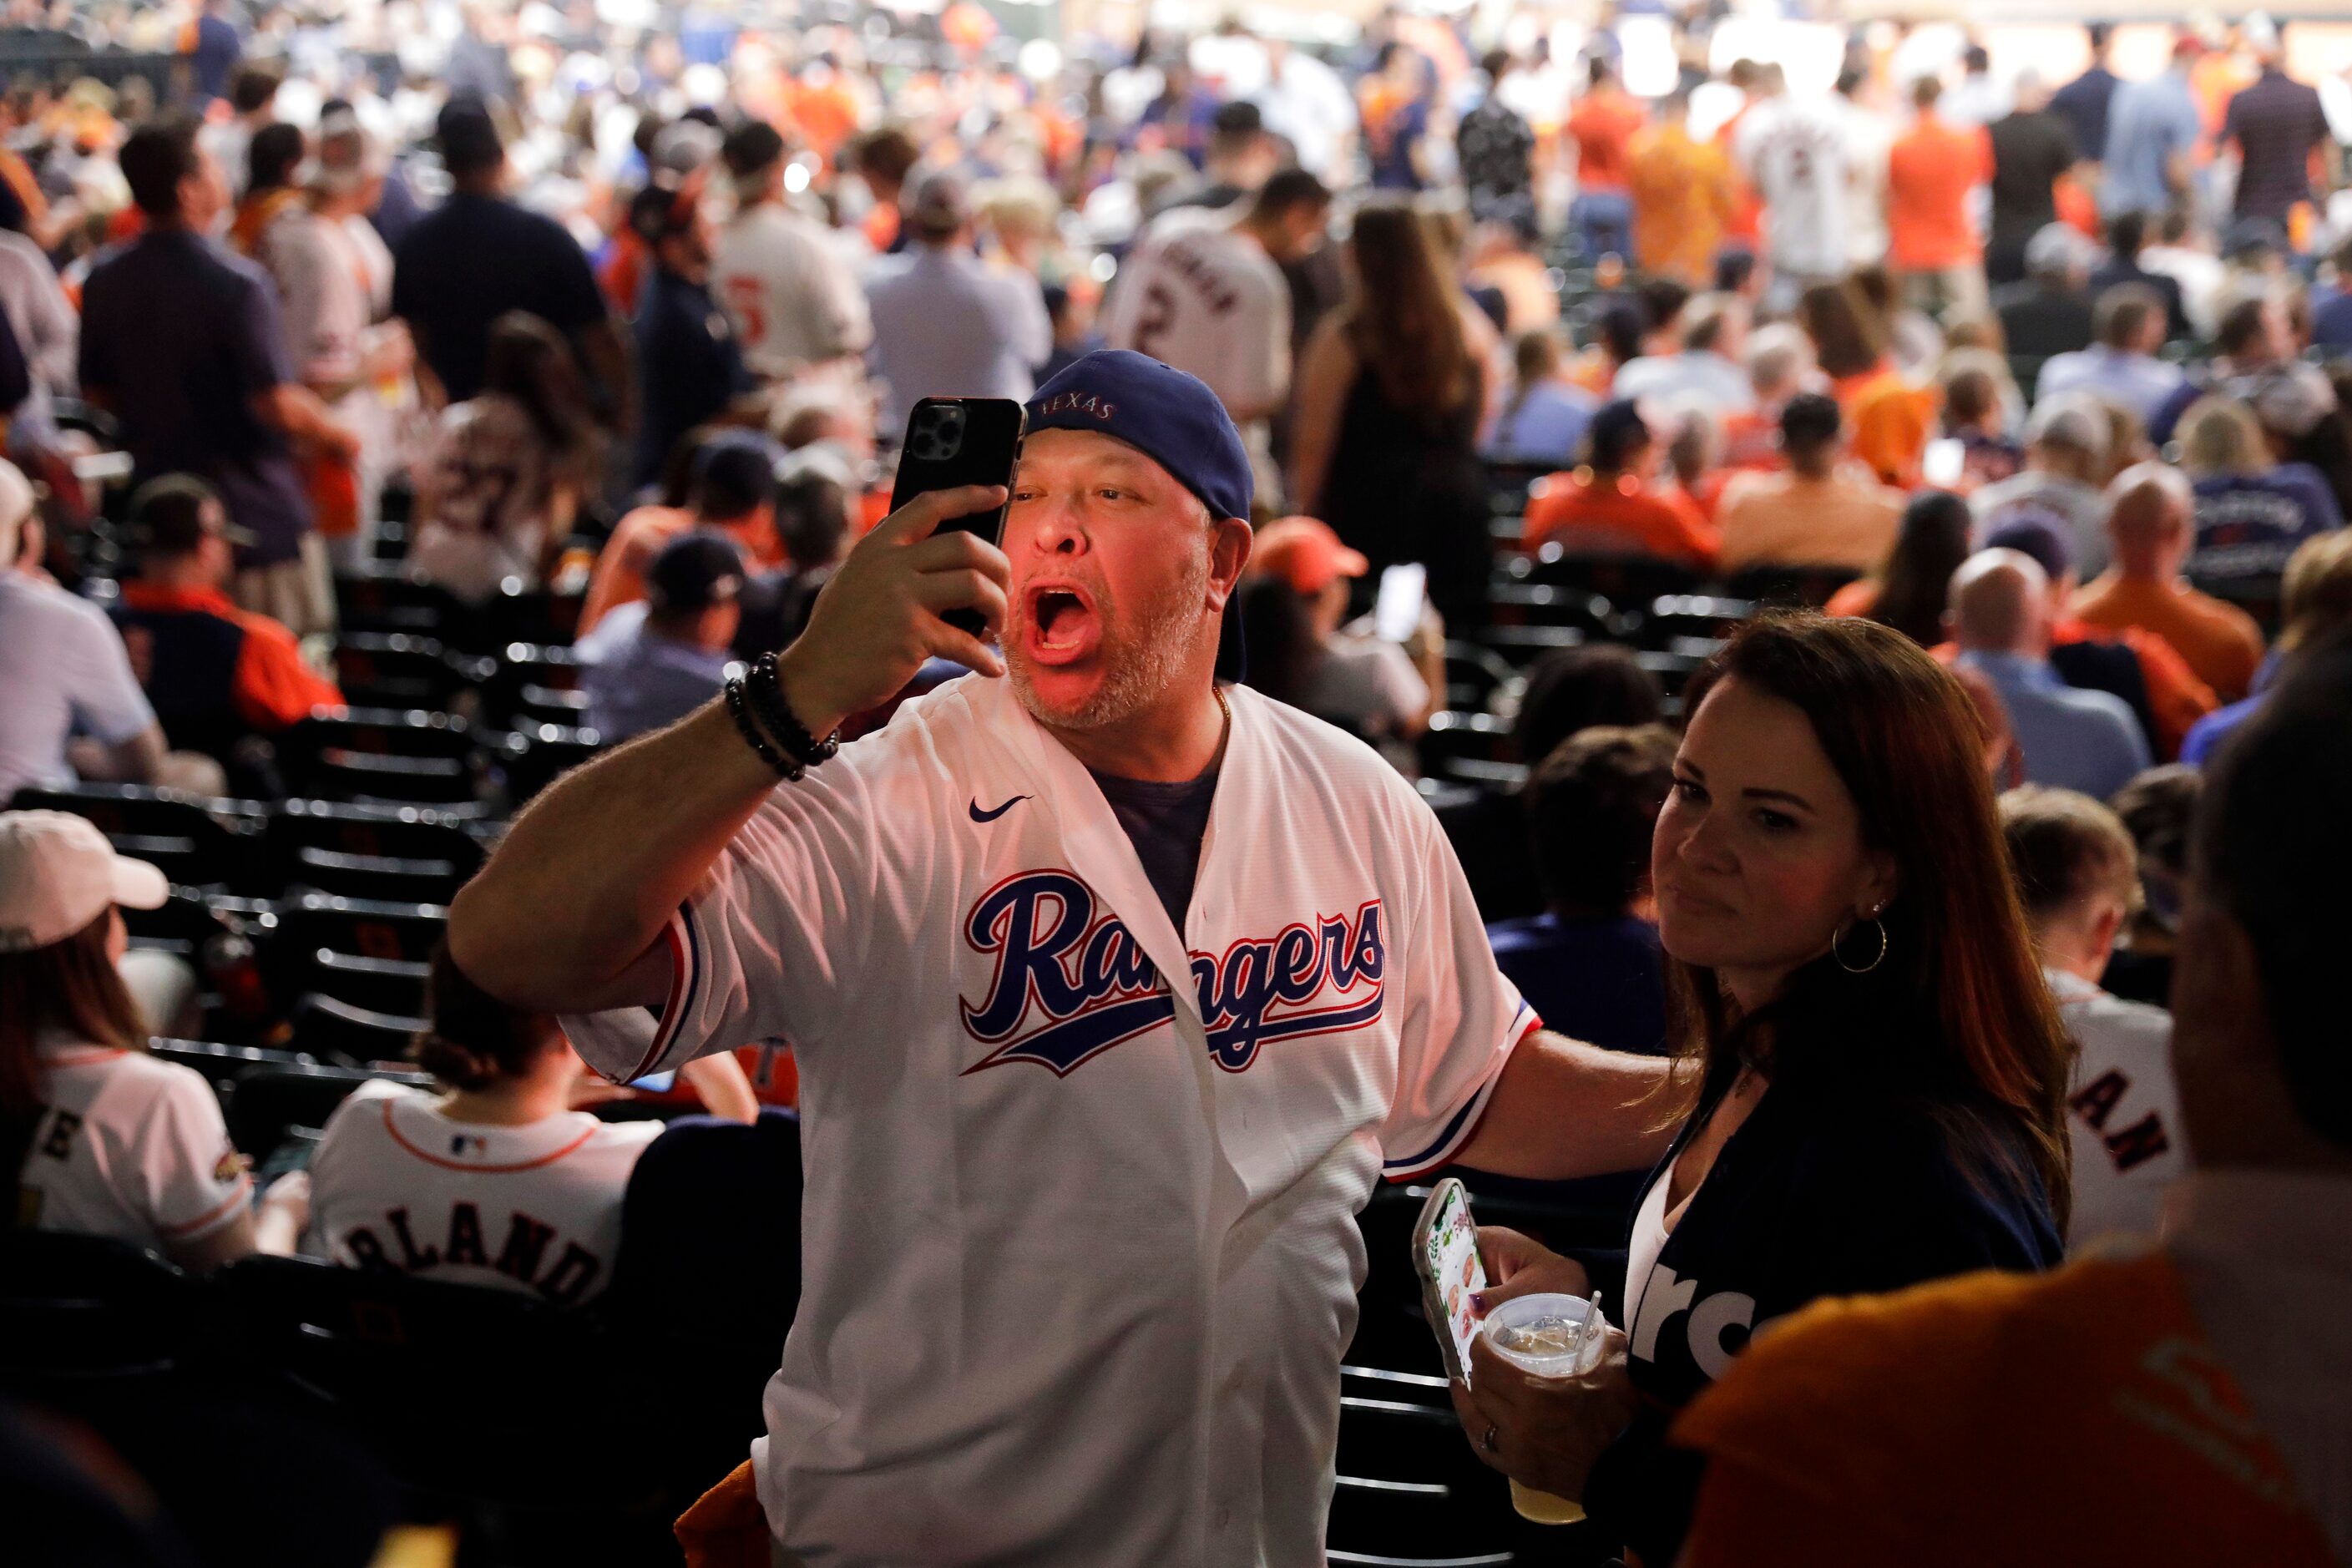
1621 579
79 1308
337 1031
223 1065
268 1101
1811 586
411 834
534 754
396 669
367 927
196 842
395 986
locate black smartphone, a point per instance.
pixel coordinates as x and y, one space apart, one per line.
953 441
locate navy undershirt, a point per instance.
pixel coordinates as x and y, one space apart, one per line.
1166 823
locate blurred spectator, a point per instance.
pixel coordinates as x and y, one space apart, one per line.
107 1139
2126 240
1779 364
495 1181
690 370
499 486
946 324
1842 1437
2177 254
478 256
792 297
1706 366
1610 505
2278 126
1979 96
68 700
652 662
47 332
1888 417
1818 512
1684 193
2157 809
215 674
733 484
2077 875
2084 103
1391 391
1907 589
1981 404
2316 604
1792 152
1931 171
2153 129
1590 963
2072 738
2049 313
1393 102
2065 454
1571 689
1543 418
1496 150
271 186
2149 519
2031 149
1601 125
815 491
2252 512
1292 614
1241 158
183 342
2121 366
252 103
210 45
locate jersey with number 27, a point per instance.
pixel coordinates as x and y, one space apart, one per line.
1209 300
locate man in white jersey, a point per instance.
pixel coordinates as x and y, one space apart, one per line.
794 301
1078 1258
1210 298
2077 871
1793 151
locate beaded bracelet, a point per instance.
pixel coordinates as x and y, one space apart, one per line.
765 689
786 769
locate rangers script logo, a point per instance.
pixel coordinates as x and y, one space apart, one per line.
1071 983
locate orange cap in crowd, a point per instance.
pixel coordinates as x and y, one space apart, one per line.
1303 553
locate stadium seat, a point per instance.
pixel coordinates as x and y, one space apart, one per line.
532 755
377 877
410 833
1489 838
195 841
1678 622
1403 1387
1808 586
1552 605
2258 595
369 777
1475 676
396 670
1411 1524
516 613
268 1101
1673 669
390 598
1621 579
525 675
75 1309
223 1065
182 924
1522 646
389 986
340 1032
361 926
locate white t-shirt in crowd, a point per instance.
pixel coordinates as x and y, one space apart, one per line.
1080 1258
947 324
2123 1111
791 293
63 672
129 1147
537 1208
485 499
1793 151
1205 298
1367 682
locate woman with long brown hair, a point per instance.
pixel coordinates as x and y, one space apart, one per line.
1881 1071
1391 390
98 1137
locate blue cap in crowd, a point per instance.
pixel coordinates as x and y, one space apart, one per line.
1174 419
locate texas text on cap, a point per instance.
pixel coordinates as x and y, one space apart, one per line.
58 873
1174 419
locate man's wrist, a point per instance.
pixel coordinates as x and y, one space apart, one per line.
818 712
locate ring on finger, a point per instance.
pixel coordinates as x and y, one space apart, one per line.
1487 1442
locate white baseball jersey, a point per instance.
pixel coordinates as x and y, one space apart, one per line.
792 296
1793 153
2123 1114
536 1208
130 1147
1077 1257
1209 300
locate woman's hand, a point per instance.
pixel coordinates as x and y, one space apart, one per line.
1545 1432
1521 1266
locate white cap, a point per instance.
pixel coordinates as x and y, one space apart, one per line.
58 873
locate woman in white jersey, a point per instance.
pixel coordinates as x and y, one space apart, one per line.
105 1140
494 1181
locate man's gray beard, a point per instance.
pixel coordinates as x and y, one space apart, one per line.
1134 676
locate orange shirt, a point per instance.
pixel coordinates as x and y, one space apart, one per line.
2079 1417
1890 418
272 687
1746 224
1683 194
619 575
1603 123
1930 170
255 213
1786 520
1584 513
1857 599
2218 642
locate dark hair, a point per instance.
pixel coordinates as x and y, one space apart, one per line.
1663 299
155 159
2126 232
2277 866
475 1039
1592 805
2240 325
1615 432
1404 322
886 150
1955 1016
252 86
1621 327
531 363
2157 808
1810 422
1496 63
1571 689
812 516
271 156
2062 848
1278 630
1734 266
167 514
1287 189
1915 583
1849 335
71 984
2124 311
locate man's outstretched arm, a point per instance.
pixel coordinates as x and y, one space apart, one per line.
566 914
1566 1109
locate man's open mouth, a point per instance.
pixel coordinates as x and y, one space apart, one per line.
1061 622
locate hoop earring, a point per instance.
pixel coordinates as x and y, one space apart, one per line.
1876 959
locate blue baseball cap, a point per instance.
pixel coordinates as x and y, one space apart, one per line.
1171 418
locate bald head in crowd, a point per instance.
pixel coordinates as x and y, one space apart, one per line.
2149 507
2000 604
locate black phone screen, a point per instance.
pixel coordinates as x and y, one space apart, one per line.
953 441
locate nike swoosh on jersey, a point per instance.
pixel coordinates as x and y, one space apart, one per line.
990 816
